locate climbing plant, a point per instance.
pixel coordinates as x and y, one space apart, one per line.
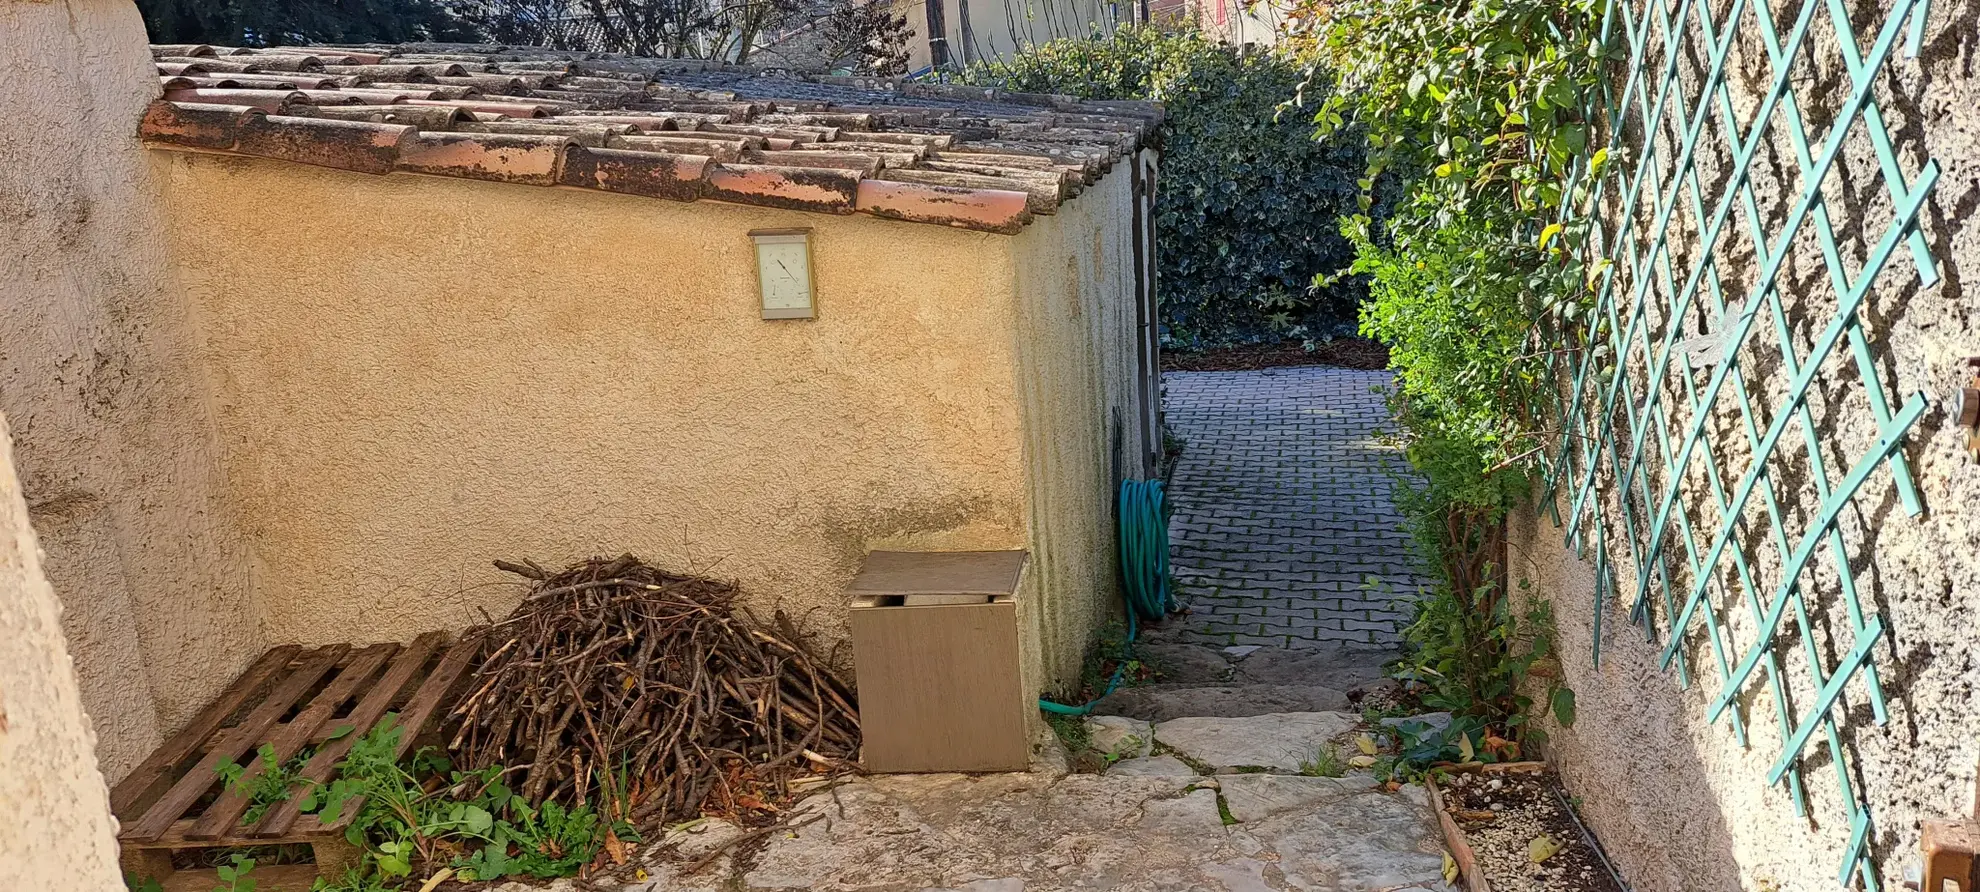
1249 205
1473 113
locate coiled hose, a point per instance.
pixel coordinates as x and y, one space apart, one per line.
1144 531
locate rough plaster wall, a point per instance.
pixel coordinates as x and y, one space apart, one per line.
1076 348
415 376
57 832
1680 804
113 443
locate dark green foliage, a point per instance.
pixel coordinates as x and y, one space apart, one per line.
276 22
1249 204
1477 114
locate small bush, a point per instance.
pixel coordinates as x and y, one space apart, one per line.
1248 205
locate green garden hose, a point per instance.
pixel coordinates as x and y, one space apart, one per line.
1144 529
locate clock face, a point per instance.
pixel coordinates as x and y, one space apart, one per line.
784 267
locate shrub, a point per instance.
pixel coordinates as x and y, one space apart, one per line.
1479 114
1249 204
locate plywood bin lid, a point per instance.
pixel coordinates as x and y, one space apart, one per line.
927 578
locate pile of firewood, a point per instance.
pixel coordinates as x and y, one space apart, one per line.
650 696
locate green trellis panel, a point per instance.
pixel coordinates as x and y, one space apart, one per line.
1639 456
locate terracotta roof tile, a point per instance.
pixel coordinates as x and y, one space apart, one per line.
507 158
483 106
425 117
821 189
196 125
351 145
676 129
966 208
718 149
652 174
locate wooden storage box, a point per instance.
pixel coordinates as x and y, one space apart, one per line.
935 650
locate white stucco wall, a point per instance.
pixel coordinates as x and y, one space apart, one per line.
55 826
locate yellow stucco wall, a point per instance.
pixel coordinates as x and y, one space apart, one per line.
1075 333
414 376
113 442
56 832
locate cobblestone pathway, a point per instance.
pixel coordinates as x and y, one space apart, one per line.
1283 509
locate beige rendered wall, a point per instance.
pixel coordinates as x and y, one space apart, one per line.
414 376
1076 328
56 832
1678 802
113 442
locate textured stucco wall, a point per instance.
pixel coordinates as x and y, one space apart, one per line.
1680 804
1076 346
56 832
112 436
414 376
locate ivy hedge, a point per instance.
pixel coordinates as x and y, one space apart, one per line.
1249 204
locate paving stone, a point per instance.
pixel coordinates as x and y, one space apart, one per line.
1275 741
1000 884
1336 666
1116 734
1363 843
1283 497
1186 663
1163 765
1009 833
1162 702
1193 814
1255 797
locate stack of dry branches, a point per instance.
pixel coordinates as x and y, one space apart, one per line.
649 695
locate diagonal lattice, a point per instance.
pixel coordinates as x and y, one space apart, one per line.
1691 460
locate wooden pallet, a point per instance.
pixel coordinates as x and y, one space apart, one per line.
290 698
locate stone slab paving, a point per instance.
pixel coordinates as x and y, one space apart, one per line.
1044 832
1284 509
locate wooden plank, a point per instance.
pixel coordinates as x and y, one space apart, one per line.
424 703
290 737
175 837
267 878
281 819
128 798
939 688
198 779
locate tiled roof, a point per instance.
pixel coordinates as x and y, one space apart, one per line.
665 128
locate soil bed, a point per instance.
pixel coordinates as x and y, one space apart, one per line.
1349 353
1502 814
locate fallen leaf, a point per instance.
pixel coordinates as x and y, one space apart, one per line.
1366 744
1464 747
1362 762
1542 847
614 847
1450 869
1391 787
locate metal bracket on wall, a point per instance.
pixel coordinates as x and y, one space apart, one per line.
1952 853
1966 406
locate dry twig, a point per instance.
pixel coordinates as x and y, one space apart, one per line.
649 694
